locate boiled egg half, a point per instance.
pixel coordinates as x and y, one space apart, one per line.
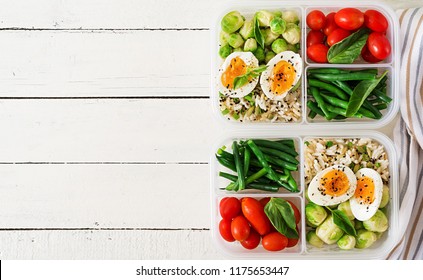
368 194
282 74
332 186
236 65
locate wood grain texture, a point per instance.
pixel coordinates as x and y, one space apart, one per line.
125 244
104 64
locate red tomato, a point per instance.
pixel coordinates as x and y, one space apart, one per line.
315 37
252 241
292 242
240 228
315 20
296 212
349 18
330 24
264 201
379 45
225 230
367 56
274 241
318 53
253 211
229 207
375 20
337 35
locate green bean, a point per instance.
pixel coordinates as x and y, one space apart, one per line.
344 86
276 153
314 108
344 104
319 84
356 76
228 176
226 163
287 142
381 106
263 187
247 157
260 156
292 183
225 154
327 71
281 163
275 145
381 95
341 111
239 167
321 103
370 70
312 114
262 172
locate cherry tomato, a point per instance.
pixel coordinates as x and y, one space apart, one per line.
225 230
337 35
318 53
296 212
292 242
379 45
274 241
230 207
349 18
330 24
253 211
252 241
240 228
264 201
367 56
375 20
315 20
315 37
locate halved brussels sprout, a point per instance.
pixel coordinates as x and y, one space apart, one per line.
278 25
250 45
385 197
232 21
365 239
279 45
247 30
291 17
377 223
313 239
328 231
346 208
235 40
224 51
264 18
292 33
269 36
269 55
315 214
259 54
347 242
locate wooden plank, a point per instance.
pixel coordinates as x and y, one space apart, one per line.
125 245
104 196
108 63
146 130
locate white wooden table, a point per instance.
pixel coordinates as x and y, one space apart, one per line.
106 129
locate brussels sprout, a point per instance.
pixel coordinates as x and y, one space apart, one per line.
223 38
232 21
264 18
292 48
235 40
224 51
250 45
277 13
259 54
315 214
306 194
313 239
269 55
365 239
269 36
328 231
358 225
346 208
347 242
240 49
290 17
385 197
378 222
247 30
278 25
379 234
279 45
292 33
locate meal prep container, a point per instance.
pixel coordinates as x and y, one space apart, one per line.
302 251
303 8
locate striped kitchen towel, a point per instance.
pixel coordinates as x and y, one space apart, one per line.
408 136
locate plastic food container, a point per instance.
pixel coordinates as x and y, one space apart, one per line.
303 8
303 251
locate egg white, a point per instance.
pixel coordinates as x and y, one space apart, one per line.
289 56
251 62
364 211
318 197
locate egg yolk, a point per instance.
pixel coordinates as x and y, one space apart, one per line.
365 190
334 183
236 68
283 76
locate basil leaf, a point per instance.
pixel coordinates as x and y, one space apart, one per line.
257 33
281 215
360 93
240 81
341 220
347 50
252 73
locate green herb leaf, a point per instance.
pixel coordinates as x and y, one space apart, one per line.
347 50
251 74
329 144
257 33
360 93
240 81
281 215
341 220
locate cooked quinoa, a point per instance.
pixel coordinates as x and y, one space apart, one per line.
355 153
